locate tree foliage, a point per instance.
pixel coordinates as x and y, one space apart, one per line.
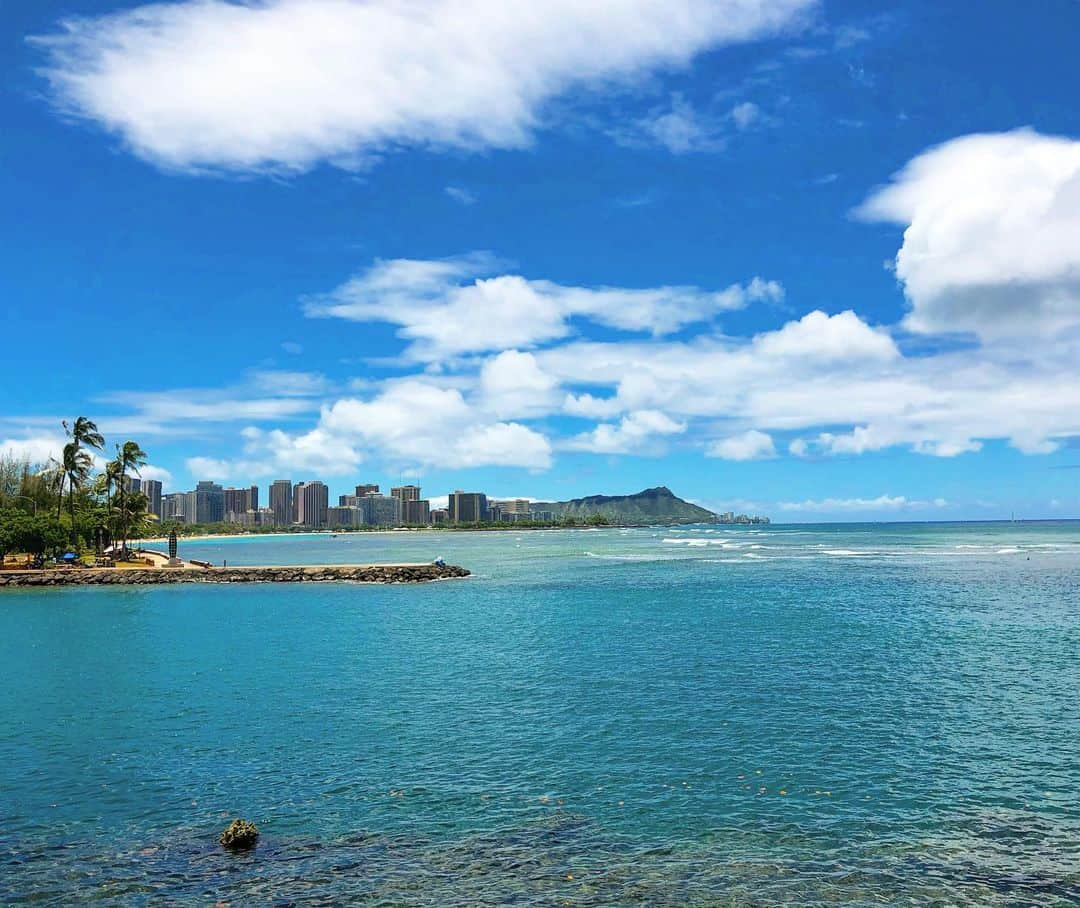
33 518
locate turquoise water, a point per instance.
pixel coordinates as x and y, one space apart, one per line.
709 715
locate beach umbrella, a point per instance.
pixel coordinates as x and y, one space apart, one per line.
70 556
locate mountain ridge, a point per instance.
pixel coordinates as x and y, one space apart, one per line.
657 505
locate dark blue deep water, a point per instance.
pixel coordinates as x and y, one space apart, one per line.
846 715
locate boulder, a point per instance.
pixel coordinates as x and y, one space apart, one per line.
240 834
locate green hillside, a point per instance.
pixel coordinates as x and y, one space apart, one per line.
651 506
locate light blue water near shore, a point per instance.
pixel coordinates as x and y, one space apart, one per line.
708 715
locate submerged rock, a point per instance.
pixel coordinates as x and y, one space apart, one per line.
239 834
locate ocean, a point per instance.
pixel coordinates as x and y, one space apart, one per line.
710 715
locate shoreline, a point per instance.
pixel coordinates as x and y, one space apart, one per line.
150 576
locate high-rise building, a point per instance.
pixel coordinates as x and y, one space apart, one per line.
132 484
314 504
416 512
281 501
406 493
381 510
298 503
468 507
238 503
369 489
514 506
172 506
152 489
206 503
344 516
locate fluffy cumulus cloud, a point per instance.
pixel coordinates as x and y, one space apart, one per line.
990 240
411 423
285 84
749 445
512 384
636 433
837 384
462 305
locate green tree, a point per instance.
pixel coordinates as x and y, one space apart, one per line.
129 458
598 520
76 465
21 532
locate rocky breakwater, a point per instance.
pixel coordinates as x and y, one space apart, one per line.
338 573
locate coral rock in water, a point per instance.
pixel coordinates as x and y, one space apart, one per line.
240 834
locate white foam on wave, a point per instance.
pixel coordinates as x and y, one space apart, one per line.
692 541
621 557
1010 550
846 553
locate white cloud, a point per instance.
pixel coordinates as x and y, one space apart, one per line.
745 115
290 384
151 471
461 195
38 449
513 385
449 308
678 127
750 445
992 235
635 433
837 378
838 338
415 422
285 84
881 503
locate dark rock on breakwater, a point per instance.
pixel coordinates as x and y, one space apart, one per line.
353 573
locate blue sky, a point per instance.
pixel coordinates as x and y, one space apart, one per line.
819 260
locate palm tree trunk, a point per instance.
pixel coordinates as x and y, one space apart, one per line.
60 498
71 511
123 518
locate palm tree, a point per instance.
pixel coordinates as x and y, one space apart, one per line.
84 432
133 515
129 457
53 474
75 464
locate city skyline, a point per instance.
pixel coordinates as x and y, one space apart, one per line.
306 503
794 259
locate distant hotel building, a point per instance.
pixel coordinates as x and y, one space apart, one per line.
380 510
416 512
281 502
239 501
406 493
310 500
510 511
152 490
369 489
468 507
